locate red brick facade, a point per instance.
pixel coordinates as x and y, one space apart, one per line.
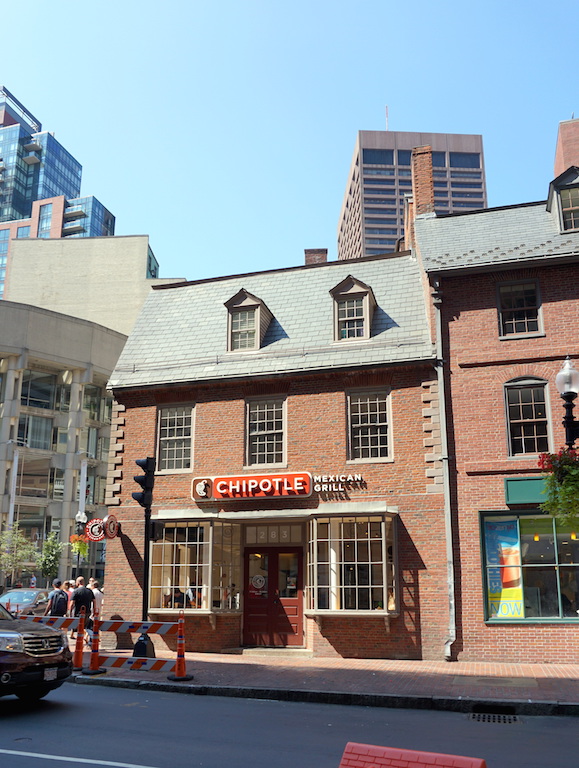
479 365
316 442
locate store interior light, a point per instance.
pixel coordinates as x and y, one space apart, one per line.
536 537
573 535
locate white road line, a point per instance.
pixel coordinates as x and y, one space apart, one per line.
79 760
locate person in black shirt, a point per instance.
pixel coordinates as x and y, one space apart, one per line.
82 597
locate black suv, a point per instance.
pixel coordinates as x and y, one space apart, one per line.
34 658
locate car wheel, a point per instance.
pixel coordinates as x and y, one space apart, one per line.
31 695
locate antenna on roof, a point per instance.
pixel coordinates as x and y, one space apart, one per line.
386 117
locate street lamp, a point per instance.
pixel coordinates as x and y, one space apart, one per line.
567 382
81 520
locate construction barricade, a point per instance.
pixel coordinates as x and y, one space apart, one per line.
99 663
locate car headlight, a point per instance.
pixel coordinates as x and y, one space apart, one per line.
11 641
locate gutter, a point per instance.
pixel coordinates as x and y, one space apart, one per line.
448 528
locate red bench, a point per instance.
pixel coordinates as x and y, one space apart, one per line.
371 756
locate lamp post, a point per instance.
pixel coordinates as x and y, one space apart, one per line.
567 382
81 520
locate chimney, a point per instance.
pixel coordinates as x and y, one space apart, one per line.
567 151
316 255
422 180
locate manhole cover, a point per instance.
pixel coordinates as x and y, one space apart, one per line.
489 717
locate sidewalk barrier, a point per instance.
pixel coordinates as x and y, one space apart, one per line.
370 756
94 668
79 647
110 625
180 666
137 663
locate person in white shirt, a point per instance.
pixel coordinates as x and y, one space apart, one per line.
97 607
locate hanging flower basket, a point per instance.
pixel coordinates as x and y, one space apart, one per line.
561 485
79 545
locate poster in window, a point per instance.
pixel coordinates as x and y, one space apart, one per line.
504 577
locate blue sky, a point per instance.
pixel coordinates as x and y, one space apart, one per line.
225 130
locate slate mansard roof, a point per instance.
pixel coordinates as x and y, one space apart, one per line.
492 238
181 333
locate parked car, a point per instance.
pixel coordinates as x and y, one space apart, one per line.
34 658
22 601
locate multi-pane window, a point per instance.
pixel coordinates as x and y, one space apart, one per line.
175 434
265 431
243 329
527 417
188 572
38 389
45 220
35 432
368 425
518 308
531 565
570 207
351 564
351 318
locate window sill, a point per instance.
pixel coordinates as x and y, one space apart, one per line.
385 460
532 335
256 468
185 471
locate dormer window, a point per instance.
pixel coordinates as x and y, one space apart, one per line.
354 305
248 321
570 207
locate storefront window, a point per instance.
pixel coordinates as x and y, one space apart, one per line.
351 564
532 568
196 565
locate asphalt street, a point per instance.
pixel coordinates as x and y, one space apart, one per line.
122 728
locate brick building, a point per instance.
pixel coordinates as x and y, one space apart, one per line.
506 295
298 497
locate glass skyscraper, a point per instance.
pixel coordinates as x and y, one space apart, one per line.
35 167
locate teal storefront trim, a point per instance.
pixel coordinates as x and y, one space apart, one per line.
524 490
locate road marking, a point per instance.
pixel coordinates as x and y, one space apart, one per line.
79 760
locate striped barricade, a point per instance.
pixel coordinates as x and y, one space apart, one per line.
132 662
141 627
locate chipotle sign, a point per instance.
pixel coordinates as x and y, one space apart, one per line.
283 485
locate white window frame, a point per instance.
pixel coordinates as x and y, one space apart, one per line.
243 301
384 393
327 590
527 382
349 290
256 401
190 408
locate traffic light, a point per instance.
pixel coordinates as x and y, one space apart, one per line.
146 481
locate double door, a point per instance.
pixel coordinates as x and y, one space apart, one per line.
273 597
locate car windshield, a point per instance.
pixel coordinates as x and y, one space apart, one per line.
18 596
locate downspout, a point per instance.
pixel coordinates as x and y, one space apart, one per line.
448 529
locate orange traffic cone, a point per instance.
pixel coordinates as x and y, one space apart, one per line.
94 668
180 665
78 648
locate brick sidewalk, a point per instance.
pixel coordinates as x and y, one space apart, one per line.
349 680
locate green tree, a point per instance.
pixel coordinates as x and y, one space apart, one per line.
16 550
49 559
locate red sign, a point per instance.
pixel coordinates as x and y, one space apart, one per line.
111 526
289 484
95 529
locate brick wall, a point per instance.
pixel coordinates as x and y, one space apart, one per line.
316 442
479 365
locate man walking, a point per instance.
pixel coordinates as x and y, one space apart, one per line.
57 600
82 597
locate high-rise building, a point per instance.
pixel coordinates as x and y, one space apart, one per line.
372 216
35 167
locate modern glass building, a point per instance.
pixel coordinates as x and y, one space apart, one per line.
35 167
372 215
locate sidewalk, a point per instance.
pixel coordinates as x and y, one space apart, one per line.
532 689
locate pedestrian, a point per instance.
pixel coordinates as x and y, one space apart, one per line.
33 582
57 600
82 597
98 599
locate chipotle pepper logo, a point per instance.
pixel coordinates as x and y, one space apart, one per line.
284 485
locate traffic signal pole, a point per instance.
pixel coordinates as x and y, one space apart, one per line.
144 646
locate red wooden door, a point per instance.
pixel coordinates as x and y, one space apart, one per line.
273 597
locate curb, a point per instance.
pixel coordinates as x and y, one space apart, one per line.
384 700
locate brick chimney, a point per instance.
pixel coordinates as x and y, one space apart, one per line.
316 255
567 151
422 180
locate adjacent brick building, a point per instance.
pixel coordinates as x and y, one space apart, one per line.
506 289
